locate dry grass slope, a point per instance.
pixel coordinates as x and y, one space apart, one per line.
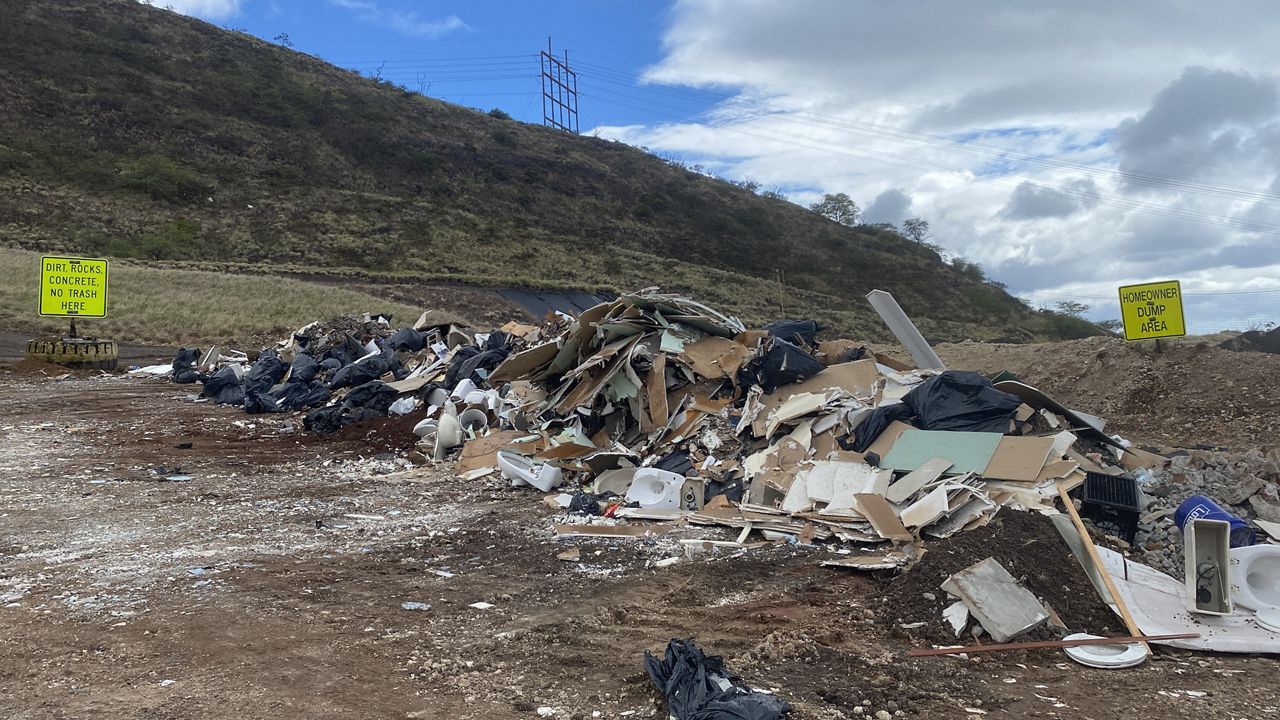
166 306
263 156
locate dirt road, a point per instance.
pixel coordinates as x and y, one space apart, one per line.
270 584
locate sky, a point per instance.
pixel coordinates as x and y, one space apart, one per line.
1067 147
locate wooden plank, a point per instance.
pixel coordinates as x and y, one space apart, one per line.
1048 644
1121 608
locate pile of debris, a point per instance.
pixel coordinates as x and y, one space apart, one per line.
657 412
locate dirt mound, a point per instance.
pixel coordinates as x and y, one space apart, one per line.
1193 394
1029 547
1254 341
27 366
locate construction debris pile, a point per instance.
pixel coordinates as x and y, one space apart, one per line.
652 412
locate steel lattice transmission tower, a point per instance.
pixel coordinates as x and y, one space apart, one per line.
559 91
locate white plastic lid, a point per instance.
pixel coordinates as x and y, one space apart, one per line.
1105 656
1269 618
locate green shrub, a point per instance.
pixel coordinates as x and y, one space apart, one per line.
163 179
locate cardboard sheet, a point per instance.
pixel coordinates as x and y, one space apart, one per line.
523 363
1019 458
882 517
483 451
888 437
714 357
967 451
656 390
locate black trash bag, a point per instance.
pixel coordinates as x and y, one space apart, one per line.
869 429
961 401
184 366
331 363
782 364
454 375
369 400
359 373
588 503
325 420
800 332
406 339
265 373
224 387
303 369
374 395
346 352
256 403
691 682
300 395
398 371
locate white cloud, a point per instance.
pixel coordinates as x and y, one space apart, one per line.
1080 144
206 9
405 23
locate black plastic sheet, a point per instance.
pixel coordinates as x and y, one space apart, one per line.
783 363
692 683
961 401
955 400
800 332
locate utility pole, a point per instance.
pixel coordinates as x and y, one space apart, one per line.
559 91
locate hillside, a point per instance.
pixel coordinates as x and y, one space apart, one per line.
131 131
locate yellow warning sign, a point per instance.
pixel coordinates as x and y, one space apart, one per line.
1152 310
73 286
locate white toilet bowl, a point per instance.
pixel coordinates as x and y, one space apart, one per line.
1255 576
654 488
1255 582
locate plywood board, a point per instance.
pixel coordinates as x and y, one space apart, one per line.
967 451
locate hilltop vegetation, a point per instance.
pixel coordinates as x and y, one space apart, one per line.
131 131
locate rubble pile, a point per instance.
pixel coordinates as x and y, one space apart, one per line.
657 412
1244 483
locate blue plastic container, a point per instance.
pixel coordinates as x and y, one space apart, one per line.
1199 507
